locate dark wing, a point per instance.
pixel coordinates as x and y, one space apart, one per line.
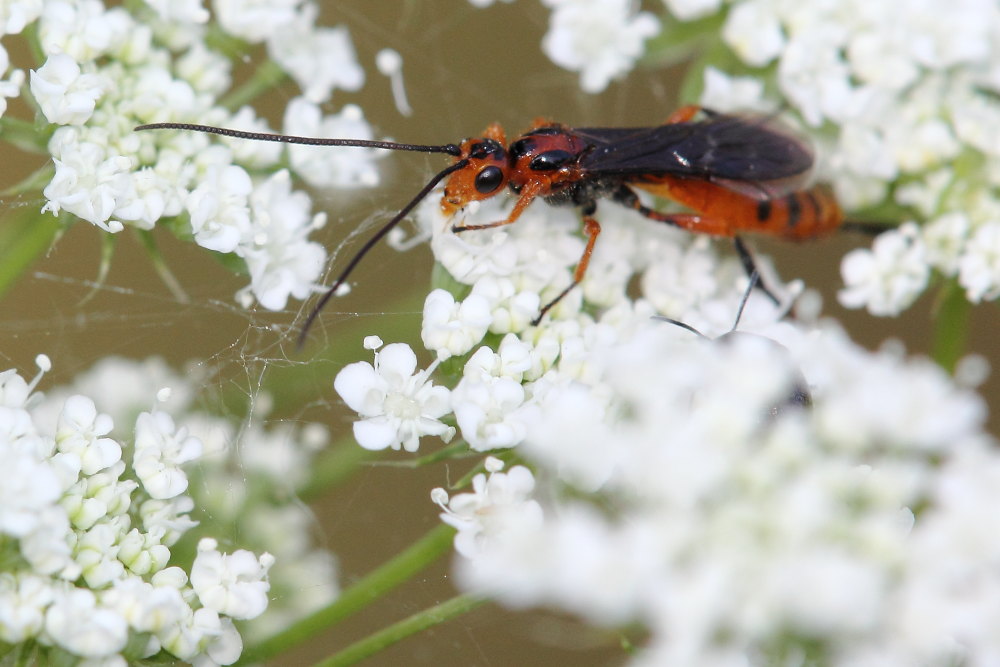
722 148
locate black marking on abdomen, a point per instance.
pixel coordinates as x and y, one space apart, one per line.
794 210
763 210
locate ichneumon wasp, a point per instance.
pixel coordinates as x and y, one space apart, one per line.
735 173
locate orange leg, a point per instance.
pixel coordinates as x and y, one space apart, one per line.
700 224
684 114
592 229
528 194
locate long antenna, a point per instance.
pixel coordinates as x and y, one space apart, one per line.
370 243
450 149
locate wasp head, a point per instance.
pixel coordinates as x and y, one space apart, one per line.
485 174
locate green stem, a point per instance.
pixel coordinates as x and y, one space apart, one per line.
22 134
34 182
266 76
455 450
23 237
422 620
334 467
109 242
951 331
416 557
161 268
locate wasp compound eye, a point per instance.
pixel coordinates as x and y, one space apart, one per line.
489 179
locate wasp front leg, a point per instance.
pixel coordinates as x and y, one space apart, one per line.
592 229
528 194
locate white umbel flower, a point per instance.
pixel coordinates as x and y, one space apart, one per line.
398 404
232 584
66 95
887 278
601 39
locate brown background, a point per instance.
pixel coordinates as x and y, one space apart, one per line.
464 68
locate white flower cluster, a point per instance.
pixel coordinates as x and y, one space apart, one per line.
244 483
106 72
907 97
600 39
89 536
737 526
741 499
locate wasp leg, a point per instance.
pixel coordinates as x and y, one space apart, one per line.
750 266
592 229
684 114
696 223
528 194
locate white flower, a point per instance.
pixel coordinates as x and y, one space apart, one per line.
16 14
451 328
686 10
255 20
30 488
83 29
159 97
257 154
76 623
66 95
160 450
80 432
752 30
319 59
398 405
733 93
979 266
89 184
168 518
142 553
96 552
725 525
601 39
512 360
10 87
680 277
492 412
325 166
495 500
226 644
220 215
46 548
146 608
206 70
887 278
180 11
71 586
23 600
281 261
233 584
945 239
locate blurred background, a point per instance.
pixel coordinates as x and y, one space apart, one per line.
464 68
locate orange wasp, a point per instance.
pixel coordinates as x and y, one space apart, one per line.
736 174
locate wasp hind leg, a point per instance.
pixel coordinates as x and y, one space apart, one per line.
700 225
750 266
